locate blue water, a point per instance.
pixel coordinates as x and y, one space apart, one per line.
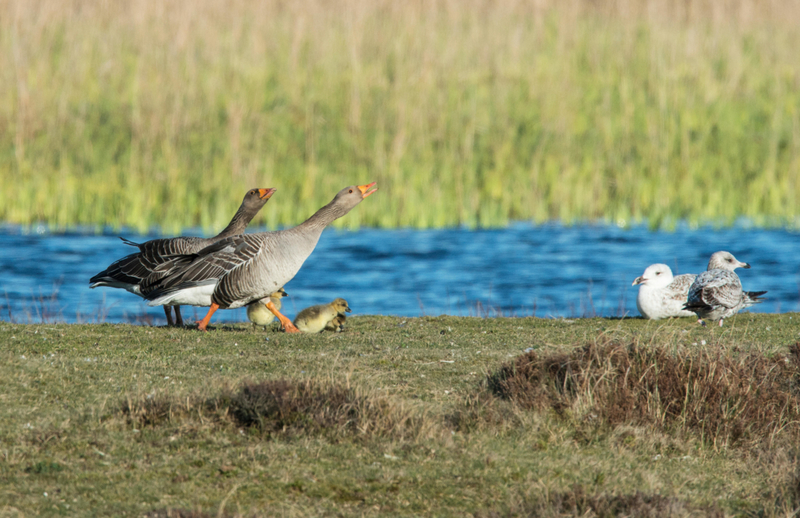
524 270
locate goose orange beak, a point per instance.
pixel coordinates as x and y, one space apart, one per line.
265 194
365 188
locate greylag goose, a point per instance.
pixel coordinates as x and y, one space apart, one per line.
238 270
337 324
128 272
257 311
660 294
316 318
717 292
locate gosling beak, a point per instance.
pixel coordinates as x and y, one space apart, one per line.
365 188
348 307
265 194
638 280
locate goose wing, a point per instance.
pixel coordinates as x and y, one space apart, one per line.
207 266
132 268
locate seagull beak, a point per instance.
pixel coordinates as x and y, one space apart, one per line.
365 188
265 194
745 265
638 280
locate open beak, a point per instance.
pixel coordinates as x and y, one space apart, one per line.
638 280
365 188
265 194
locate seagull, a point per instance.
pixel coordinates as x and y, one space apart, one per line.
717 293
660 294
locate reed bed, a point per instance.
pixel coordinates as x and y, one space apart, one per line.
467 112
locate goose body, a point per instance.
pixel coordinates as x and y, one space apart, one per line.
128 273
717 293
660 294
317 318
257 311
238 270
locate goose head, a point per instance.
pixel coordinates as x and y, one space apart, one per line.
257 198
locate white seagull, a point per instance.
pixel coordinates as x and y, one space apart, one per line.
660 294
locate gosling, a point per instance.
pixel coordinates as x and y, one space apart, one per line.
315 318
258 313
337 324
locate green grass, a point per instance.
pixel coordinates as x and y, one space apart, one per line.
163 115
120 420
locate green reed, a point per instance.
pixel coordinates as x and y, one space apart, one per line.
474 113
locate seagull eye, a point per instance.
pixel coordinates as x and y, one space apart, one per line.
252 192
351 190
658 273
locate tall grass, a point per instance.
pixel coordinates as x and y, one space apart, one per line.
471 112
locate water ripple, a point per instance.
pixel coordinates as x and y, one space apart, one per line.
547 270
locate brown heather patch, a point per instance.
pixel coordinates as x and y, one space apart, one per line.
186 513
725 398
288 407
577 502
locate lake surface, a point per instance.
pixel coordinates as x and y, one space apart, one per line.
523 270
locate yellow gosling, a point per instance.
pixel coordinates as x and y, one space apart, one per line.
316 318
337 324
257 311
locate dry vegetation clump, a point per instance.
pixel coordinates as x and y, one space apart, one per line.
577 502
188 513
280 406
725 398
151 410
288 407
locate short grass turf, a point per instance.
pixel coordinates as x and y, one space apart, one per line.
393 416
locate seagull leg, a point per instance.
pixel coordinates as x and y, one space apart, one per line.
178 317
720 322
287 324
168 312
204 323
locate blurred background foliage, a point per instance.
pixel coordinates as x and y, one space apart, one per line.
161 115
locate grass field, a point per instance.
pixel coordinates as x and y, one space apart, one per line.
151 114
403 417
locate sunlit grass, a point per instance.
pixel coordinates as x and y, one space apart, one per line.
473 113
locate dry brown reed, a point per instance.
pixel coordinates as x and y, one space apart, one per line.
727 399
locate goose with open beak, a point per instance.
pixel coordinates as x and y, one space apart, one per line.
241 269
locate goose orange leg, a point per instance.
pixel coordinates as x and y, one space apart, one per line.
204 323
285 322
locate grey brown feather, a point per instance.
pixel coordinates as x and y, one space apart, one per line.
154 255
717 293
